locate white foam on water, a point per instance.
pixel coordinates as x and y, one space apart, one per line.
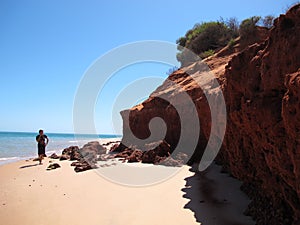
8 158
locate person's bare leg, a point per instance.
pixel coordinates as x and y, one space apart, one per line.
40 159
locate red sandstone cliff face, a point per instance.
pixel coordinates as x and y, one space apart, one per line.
263 105
261 86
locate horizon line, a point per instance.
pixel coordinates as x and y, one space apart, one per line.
5 131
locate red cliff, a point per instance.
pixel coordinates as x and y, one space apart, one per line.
261 87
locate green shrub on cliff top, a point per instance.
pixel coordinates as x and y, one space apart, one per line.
248 26
204 38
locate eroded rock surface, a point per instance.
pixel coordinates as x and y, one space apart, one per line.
261 87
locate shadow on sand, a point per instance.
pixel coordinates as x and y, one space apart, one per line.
26 166
216 198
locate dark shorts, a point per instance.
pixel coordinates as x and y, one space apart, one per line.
41 149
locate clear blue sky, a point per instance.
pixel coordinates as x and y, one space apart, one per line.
46 46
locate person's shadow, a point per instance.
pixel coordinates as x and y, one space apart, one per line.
26 166
216 198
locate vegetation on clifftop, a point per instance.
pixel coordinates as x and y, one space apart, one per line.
206 38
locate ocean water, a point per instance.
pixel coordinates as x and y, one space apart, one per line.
22 145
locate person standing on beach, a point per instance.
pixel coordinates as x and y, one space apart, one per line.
42 141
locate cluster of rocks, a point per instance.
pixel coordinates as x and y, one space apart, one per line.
111 142
85 158
160 154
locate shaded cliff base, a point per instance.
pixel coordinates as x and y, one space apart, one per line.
264 211
216 198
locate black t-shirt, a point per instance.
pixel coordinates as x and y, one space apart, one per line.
41 139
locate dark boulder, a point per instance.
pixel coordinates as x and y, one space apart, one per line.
53 166
118 148
161 151
135 156
64 157
69 150
54 156
83 166
124 154
94 146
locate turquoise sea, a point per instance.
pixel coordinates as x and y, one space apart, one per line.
22 145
